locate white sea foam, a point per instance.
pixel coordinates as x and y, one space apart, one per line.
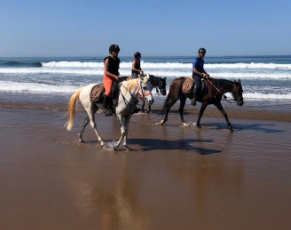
166 65
170 73
267 96
35 87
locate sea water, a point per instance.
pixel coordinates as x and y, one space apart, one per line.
265 79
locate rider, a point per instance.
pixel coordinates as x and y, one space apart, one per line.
198 73
111 75
136 69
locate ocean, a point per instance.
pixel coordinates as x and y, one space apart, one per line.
265 79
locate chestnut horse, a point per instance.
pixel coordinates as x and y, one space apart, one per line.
211 93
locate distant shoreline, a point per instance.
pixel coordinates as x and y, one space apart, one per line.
153 56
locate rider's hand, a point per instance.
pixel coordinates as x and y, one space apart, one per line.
205 75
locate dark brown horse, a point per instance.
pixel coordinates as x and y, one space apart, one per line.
160 84
211 93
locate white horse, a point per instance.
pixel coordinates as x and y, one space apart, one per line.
128 95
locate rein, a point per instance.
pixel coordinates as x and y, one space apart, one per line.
233 100
223 96
140 93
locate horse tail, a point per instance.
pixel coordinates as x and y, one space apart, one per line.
73 103
166 102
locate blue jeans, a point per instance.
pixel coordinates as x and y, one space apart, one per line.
197 80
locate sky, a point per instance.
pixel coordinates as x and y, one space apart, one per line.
77 28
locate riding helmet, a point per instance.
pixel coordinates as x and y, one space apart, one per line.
202 50
114 47
137 54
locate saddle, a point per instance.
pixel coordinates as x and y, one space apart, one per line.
189 84
97 93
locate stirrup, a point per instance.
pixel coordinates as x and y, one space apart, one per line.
193 102
108 113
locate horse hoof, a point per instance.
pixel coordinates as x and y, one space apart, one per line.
231 130
81 141
161 122
196 125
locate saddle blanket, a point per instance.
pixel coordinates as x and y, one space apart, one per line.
97 93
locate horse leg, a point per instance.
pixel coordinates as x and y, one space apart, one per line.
122 130
181 109
126 123
142 107
85 123
91 111
149 108
202 109
168 107
220 108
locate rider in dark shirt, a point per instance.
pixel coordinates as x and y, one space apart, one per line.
136 69
198 73
111 75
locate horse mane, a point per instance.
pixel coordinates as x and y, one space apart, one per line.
222 82
130 84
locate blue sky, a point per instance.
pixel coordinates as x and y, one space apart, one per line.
155 28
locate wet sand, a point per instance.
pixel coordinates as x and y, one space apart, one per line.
175 177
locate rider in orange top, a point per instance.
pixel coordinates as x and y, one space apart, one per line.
111 75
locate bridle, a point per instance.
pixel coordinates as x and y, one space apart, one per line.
140 94
157 85
235 97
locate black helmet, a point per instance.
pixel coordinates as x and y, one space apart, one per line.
114 47
137 54
202 50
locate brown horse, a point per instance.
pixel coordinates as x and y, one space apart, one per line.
212 91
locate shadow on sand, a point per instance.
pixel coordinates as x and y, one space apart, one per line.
265 128
183 144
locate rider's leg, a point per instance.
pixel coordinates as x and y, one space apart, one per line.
107 106
134 75
107 103
196 91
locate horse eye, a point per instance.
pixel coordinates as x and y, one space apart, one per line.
144 87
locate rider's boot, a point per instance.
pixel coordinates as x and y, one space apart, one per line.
193 102
107 106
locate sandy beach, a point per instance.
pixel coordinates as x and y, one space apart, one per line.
175 177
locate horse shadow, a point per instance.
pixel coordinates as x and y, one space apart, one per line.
159 112
182 144
259 127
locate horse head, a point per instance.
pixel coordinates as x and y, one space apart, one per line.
146 88
162 85
237 93
159 82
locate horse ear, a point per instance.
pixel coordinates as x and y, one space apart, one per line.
239 81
